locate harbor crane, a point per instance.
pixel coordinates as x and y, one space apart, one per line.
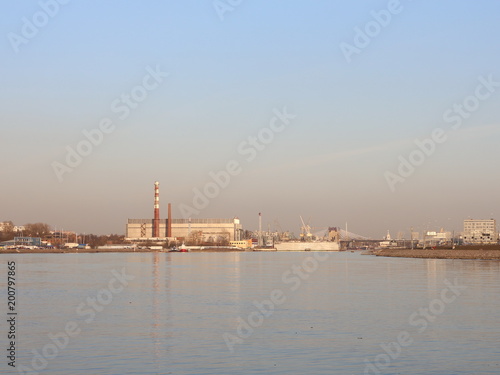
305 230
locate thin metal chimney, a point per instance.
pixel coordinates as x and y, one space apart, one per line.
169 222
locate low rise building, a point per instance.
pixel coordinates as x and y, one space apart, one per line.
244 244
23 242
7 225
440 238
4 225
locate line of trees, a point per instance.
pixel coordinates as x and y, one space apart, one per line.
43 230
94 240
30 230
197 238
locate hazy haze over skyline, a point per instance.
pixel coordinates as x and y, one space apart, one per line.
226 80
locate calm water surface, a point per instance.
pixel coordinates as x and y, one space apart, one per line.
254 313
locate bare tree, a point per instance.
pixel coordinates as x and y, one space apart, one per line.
7 233
195 238
37 230
223 238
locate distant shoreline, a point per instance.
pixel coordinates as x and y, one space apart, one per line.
114 250
76 251
491 252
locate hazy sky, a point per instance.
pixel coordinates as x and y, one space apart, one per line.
172 91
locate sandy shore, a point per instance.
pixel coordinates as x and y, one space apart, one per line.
492 252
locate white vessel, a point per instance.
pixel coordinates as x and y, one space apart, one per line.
307 246
311 243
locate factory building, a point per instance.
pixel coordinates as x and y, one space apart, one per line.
204 230
480 231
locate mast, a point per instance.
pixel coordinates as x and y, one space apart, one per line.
260 230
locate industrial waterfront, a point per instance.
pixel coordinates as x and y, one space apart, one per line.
228 234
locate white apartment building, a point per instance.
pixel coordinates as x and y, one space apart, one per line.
480 231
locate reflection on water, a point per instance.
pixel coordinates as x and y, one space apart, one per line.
172 317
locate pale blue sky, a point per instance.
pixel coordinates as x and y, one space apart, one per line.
225 78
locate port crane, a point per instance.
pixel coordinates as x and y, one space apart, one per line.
305 230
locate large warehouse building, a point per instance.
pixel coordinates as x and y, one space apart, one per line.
205 230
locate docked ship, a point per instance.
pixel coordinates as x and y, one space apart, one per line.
307 246
309 242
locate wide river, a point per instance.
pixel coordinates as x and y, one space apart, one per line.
251 313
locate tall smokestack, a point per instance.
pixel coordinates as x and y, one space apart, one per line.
156 220
169 223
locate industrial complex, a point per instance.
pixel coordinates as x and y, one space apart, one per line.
228 232
196 230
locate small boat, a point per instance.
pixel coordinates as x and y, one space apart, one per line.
182 249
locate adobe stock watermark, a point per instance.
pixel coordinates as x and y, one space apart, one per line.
454 116
58 341
248 149
420 319
32 26
223 6
122 107
363 36
265 308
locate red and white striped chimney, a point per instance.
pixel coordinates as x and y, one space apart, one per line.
156 220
